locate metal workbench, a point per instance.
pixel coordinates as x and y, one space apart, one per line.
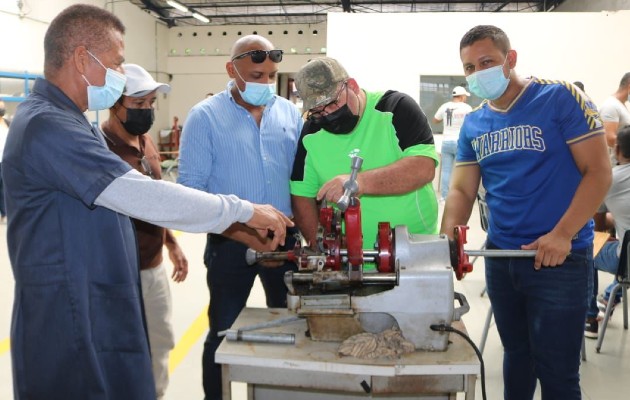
313 370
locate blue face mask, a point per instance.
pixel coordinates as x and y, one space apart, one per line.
103 97
256 94
488 83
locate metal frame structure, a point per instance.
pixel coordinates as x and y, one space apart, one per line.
276 12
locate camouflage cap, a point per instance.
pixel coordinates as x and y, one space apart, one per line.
317 81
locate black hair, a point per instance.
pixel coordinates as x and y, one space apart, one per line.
480 32
77 25
625 80
623 141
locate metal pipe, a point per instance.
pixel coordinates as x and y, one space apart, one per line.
368 279
501 253
263 325
378 279
275 338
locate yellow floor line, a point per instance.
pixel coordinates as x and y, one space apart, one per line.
5 345
194 332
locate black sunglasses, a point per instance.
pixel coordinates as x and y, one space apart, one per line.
259 56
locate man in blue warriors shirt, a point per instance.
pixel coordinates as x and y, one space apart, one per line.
538 146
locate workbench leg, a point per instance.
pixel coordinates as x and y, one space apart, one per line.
470 387
225 382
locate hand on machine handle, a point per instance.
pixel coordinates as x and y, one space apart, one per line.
267 220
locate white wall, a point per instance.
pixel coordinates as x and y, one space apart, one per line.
567 46
593 5
23 41
382 50
196 72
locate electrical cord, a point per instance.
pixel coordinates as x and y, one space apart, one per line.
447 328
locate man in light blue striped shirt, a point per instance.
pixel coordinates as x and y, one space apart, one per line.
241 141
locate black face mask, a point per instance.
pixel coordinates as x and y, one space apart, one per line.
2 112
139 120
340 121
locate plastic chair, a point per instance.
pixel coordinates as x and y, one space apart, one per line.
623 282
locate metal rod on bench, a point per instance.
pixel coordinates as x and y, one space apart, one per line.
501 253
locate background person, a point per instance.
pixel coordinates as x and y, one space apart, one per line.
540 149
388 130
452 114
615 115
126 134
241 141
4 130
617 202
77 328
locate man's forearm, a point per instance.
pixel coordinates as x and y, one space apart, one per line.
306 217
457 211
402 176
248 236
588 197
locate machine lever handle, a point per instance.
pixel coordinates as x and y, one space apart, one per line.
351 186
501 253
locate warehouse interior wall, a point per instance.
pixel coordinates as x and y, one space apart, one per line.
555 45
383 51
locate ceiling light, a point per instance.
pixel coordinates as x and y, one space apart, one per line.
178 5
200 17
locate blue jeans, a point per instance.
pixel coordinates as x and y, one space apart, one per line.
230 281
540 319
449 151
607 260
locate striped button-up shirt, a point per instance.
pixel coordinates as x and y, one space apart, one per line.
224 151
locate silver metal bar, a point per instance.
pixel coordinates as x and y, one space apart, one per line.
501 253
368 279
380 278
275 338
263 325
350 186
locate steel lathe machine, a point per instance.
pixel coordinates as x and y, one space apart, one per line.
410 288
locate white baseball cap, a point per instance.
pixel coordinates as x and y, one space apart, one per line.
457 91
140 82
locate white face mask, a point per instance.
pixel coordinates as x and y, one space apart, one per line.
103 97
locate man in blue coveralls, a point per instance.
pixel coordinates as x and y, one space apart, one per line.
77 330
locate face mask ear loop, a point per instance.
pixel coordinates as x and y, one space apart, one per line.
239 75
97 60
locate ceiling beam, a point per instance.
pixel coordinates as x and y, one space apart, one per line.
505 3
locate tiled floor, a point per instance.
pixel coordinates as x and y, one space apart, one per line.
604 376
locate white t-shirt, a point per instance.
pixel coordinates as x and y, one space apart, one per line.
452 115
617 200
612 110
3 137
